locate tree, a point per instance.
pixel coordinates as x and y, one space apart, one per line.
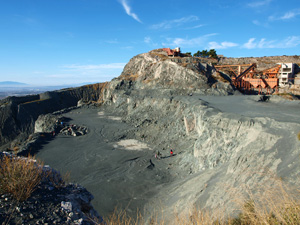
197 54
204 53
212 53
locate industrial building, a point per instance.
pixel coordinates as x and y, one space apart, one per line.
246 77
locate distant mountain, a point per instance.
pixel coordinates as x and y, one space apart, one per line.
11 83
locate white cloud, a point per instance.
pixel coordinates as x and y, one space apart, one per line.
174 23
261 3
112 41
223 45
63 76
184 42
287 16
148 40
250 44
290 14
292 41
95 67
194 27
127 9
289 42
127 47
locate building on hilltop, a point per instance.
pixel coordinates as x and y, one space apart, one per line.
286 73
172 52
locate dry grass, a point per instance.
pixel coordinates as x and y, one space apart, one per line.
58 180
298 135
163 57
19 176
131 77
34 101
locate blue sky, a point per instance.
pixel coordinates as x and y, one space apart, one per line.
58 42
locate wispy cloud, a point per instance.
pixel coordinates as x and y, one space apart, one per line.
263 24
112 41
289 42
88 73
127 9
95 67
63 76
148 40
257 4
174 23
287 16
185 42
222 45
129 47
194 27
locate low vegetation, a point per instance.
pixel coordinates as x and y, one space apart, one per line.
19 176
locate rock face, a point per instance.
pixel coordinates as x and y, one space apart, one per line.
18 114
154 70
217 152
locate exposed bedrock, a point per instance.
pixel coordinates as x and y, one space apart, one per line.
154 71
217 152
18 114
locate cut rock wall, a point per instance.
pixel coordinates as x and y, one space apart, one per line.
217 152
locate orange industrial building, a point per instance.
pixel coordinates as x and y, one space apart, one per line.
172 52
246 77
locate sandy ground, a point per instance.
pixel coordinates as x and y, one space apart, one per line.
115 169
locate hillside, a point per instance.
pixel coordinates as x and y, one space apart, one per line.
223 141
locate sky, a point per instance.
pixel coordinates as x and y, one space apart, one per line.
68 42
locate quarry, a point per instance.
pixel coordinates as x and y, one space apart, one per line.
233 124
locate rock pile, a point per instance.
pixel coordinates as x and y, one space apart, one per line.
53 202
74 130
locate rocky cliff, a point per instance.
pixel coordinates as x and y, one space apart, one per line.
18 114
155 70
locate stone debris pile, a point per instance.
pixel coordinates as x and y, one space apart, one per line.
74 130
54 201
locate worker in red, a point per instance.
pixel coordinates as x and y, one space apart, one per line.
171 152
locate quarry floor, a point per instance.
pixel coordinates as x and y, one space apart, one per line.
122 172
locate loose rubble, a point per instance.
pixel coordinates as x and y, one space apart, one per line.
74 130
50 204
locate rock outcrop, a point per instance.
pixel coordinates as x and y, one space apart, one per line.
154 70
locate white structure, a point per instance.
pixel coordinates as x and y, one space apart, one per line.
286 74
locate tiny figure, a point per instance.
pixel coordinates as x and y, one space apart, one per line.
171 152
